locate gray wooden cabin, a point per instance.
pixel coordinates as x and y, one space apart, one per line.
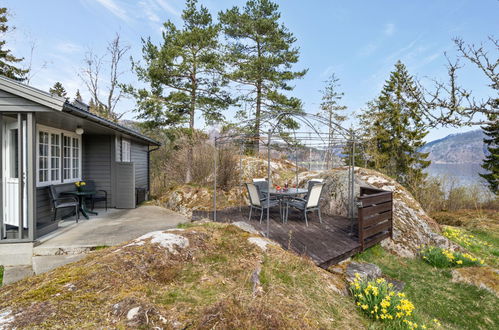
47 141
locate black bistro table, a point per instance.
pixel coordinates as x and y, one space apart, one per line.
81 201
284 195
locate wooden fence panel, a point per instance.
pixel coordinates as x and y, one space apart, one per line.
375 216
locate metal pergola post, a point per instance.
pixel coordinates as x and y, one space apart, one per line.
268 181
215 184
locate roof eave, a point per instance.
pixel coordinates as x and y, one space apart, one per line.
71 109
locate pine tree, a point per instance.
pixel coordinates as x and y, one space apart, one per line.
261 54
58 90
491 161
8 61
395 130
331 111
78 96
184 74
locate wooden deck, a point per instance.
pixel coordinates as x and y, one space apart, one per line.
326 244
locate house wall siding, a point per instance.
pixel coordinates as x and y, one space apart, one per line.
139 157
97 163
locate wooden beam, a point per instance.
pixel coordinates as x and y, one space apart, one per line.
20 152
31 174
2 230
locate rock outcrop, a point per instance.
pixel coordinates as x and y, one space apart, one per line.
412 227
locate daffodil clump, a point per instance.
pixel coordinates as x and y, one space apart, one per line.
379 301
464 239
443 258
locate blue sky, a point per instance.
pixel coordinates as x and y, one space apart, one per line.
360 41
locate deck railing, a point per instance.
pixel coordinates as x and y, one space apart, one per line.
375 213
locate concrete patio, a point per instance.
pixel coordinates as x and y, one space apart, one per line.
72 240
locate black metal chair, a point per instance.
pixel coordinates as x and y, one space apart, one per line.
311 203
257 202
62 202
100 196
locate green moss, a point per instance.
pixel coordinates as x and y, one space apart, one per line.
1 275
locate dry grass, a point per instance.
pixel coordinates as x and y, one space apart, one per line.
469 218
207 285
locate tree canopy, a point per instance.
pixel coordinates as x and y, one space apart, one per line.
58 90
8 62
260 56
395 130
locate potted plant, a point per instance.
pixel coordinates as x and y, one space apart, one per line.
79 185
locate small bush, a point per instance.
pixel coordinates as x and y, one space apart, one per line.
443 258
380 302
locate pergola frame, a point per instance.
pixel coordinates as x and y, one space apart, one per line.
273 134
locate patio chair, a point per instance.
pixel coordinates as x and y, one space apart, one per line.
257 202
62 202
311 203
100 196
262 184
310 184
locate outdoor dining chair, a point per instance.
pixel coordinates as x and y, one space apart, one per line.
309 204
310 184
100 195
62 202
258 202
262 184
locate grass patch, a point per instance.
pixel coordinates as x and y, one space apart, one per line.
455 305
483 244
209 284
100 247
485 220
443 258
1 275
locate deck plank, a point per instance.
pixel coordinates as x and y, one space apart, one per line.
326 244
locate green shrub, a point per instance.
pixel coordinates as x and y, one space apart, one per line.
443 258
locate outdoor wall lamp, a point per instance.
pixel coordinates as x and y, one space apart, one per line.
79 130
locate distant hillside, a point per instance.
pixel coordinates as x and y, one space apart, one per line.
462 148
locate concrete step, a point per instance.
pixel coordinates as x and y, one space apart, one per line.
44 250
42 264
16 254
12 274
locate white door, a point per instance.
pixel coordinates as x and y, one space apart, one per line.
11 172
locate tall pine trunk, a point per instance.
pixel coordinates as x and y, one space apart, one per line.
190 147
256 136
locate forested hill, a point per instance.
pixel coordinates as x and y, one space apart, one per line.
461 148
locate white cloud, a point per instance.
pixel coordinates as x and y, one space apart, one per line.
149 12
389 29
114 8
168 7
68 47
367 49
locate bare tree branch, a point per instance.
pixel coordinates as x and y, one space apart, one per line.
91 76
449 103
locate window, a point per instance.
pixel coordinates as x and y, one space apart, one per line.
55 156
123 153
43 156
67 158
76 158
54 144
125 150
14 154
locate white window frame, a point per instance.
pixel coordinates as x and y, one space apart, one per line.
52 130
126 150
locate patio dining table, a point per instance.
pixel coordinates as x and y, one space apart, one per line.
81 201
284 195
